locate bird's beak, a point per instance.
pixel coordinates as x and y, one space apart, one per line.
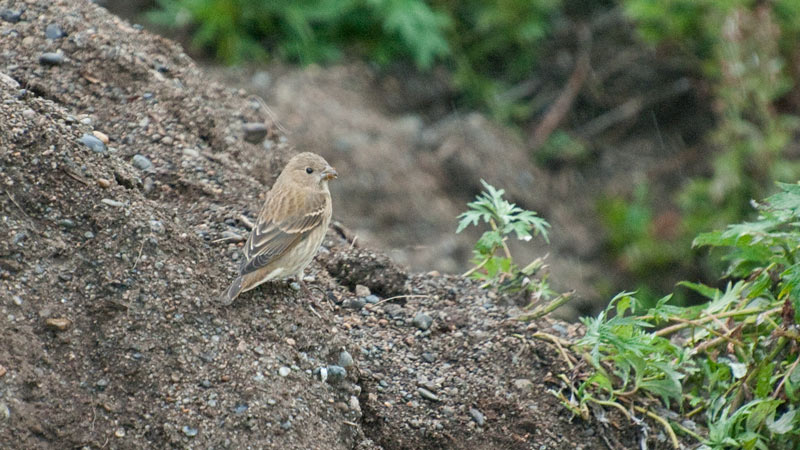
329 174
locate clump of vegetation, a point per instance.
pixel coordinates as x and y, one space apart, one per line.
741 48
724 372
489 46
492 259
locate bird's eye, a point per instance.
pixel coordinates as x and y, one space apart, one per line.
309 170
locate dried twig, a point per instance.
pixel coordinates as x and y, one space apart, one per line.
246 222
555 115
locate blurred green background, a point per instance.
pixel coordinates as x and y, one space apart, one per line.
567 75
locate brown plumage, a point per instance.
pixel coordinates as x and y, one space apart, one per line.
290 227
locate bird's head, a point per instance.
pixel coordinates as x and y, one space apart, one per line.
309 169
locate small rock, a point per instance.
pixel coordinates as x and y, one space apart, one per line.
58 323
100 135
28 113
448 411
101 384
427 395
372 299
51 59
323 374
286 425
336 374
3 371
93 143
88 235
362 291
156 226
422 321
10 15
142 163
17 300
354 404
54 31
241 408
345 359
284 371
19 237
113 203
5 413
103 183
66 223
523 384
429 357
254 132
120 433
191 153
295 286
189 431
355 303
477 416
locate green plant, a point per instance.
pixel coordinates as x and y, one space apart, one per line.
740 47
730 364
492 257
308 31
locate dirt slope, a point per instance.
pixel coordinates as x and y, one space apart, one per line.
112 256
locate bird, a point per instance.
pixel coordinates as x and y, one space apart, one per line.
290 227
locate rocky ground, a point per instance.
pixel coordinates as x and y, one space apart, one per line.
127 179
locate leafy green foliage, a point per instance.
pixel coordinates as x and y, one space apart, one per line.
489 45
742 48
310 31
504 219
730 363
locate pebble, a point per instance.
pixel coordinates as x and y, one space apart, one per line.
17 301
28 113
523 384
284 371
254 132
355 303
286 425
477 416
189 431
372 299
336 374
54 31
362 291
422 321
100 135
295 286
66 223
427 395
19 237
113 203
345 359
120 433
142 163
241 408
156 226
2 371
103 183
58 323
191 153
5 413
10 15
354 404
429 357
51 59
93 143
101 384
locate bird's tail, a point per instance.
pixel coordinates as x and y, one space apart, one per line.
233 291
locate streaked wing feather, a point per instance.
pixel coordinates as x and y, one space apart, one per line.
270 240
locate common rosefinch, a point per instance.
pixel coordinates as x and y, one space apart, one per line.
290 227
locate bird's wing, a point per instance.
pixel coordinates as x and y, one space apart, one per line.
276 232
